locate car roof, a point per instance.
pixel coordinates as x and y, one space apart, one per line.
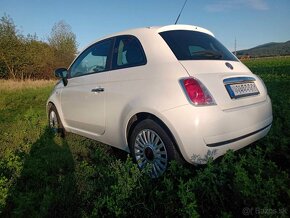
159 29
154 30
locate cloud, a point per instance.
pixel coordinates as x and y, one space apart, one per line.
224 5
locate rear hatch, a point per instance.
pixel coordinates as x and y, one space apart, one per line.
230 83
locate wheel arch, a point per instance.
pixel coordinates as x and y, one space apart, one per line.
54 100
138 117
48 106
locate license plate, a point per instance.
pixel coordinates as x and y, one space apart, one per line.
239 90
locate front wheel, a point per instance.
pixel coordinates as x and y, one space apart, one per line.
151 145
54 121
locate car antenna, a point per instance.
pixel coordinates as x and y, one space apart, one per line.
180 12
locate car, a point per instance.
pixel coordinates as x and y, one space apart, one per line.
161 93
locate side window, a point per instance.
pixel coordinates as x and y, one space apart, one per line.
195 48
93 60
128 52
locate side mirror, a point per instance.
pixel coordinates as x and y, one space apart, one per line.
62 74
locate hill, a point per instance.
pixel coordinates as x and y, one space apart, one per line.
267 50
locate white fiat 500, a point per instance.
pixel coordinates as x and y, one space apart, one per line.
161 93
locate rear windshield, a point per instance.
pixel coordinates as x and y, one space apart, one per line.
193 45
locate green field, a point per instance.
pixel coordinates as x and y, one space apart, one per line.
46 176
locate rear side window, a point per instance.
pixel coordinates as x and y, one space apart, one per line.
128 52
193 45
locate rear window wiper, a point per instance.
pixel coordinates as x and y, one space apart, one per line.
208 53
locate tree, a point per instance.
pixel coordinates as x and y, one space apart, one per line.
10 47
63 41
38 58
26 57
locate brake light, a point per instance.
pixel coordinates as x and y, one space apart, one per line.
263 83
197 92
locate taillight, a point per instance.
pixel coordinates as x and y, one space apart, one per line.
197 92
263 84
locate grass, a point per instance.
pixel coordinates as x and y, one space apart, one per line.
10 85
46 176
275 72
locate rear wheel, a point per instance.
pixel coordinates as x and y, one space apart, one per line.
151 146
54 121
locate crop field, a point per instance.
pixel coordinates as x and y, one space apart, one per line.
46 176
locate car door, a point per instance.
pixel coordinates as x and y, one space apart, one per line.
83 99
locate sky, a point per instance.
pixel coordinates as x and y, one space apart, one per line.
250 22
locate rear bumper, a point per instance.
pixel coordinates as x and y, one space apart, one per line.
201 132
239 138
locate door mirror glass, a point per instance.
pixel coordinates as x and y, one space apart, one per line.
61 73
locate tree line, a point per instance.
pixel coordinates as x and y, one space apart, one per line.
27 57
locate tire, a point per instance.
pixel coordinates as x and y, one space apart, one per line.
54 122
151 145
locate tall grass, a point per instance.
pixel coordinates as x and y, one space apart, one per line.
10 85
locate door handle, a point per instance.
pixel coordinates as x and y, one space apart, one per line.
98 90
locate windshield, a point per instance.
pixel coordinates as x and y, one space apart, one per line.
193 45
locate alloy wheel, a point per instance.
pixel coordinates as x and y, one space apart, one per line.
149 149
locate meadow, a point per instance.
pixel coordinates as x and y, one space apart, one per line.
46 176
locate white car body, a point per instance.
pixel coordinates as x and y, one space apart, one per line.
154 89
